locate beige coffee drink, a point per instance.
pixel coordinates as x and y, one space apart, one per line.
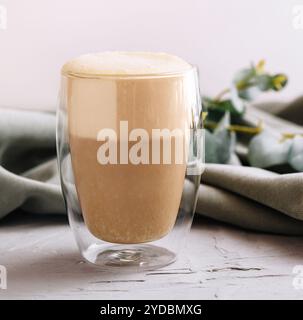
123 201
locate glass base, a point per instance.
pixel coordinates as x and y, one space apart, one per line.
129 257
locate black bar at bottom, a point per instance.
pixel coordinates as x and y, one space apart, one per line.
130 309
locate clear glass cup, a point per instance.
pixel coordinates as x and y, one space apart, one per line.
130 214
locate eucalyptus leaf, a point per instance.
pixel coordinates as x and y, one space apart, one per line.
223 124
222 106
250 93
296 153
279 81
220 145
264 82
237 103
266 150
218 148
211 148
257 84
226 145
214 115
242 76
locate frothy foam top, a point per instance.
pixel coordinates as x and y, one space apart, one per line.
125 63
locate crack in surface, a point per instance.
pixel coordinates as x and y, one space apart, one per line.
223 252
117 281
170 273
262 276
235 268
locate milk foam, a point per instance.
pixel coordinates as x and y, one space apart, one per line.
125 63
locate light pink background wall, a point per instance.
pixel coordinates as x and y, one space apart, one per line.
219 36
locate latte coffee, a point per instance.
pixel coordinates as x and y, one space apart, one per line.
127 202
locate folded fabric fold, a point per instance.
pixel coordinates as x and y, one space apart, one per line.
282 192
229 207
27 147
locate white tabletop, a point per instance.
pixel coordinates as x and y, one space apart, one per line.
221 262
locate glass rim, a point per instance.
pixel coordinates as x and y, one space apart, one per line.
193 68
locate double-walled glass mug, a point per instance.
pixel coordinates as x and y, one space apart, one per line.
129 132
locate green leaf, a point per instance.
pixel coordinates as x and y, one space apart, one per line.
220 145
259 83
266 150
252 81
214 116
296 153
222 105
263 82
279 81
242 77
237 102
223 123
218 148
211 148
250 93
226 145
243 83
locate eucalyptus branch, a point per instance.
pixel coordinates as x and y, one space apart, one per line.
287 135
219 96
236 128
246 85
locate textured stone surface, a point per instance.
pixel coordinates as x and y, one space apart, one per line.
221 262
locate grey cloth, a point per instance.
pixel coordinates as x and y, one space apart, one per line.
253 198
28 170
288 111
248 197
